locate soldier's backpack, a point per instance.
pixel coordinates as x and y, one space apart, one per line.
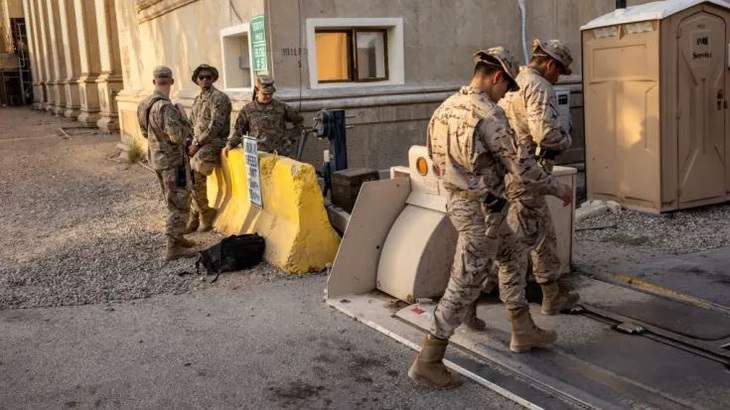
236 252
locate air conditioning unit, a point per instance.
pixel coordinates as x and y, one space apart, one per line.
563 94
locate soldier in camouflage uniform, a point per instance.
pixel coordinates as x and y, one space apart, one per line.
168 132
532 113
265 118
471 143
211 120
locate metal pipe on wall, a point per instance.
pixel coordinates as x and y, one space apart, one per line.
523 21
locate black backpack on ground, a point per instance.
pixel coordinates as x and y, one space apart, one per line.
236 252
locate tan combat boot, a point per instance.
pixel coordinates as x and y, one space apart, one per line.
192 224
185 242
472 321
525 334
428 368
553 300
207 218
175 250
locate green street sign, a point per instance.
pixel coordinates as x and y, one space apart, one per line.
258 44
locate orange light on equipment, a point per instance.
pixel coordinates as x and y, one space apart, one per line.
422 166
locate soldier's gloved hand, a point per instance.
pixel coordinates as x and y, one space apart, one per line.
567 196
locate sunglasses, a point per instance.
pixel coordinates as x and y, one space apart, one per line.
205 77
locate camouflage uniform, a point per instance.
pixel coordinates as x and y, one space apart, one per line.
211 120
470 140
532 113
267 122
167 133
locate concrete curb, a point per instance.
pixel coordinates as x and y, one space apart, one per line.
590 208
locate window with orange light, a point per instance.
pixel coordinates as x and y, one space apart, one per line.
352 55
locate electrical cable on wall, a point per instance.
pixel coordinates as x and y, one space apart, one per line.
299 63
233 9
523 18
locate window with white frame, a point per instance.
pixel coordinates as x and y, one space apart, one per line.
355 52
236 52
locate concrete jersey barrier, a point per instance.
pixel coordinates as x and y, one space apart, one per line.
293 220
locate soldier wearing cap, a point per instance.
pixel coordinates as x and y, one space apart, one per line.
471 143
211 120
168 132
265 118
532 113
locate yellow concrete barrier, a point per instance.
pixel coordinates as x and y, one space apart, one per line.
293 221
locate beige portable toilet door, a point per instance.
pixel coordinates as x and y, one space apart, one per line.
702 104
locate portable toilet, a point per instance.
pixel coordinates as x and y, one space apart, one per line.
655 83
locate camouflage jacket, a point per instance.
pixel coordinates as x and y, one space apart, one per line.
165 129
533 113
470 140
211 117
266 122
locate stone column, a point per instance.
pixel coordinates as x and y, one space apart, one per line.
89 58
110 78
55 40
71 57
40 14
31 24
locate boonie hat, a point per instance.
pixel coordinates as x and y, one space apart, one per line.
213 72
500 57
553 49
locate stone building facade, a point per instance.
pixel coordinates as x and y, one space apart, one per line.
75 59
389 63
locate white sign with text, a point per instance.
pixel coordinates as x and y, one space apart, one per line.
251 159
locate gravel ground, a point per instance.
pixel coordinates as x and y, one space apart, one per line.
678 233
631 237
79 227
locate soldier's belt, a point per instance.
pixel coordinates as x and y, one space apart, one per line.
492 202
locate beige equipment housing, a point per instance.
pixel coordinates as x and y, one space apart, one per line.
655 81
400 241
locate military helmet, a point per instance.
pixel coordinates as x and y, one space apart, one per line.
265 83
213 72
500 57
554 49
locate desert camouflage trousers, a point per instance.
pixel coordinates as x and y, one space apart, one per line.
482 239
175 189
529 217
201 167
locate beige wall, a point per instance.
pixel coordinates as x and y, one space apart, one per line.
181 39
438 40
